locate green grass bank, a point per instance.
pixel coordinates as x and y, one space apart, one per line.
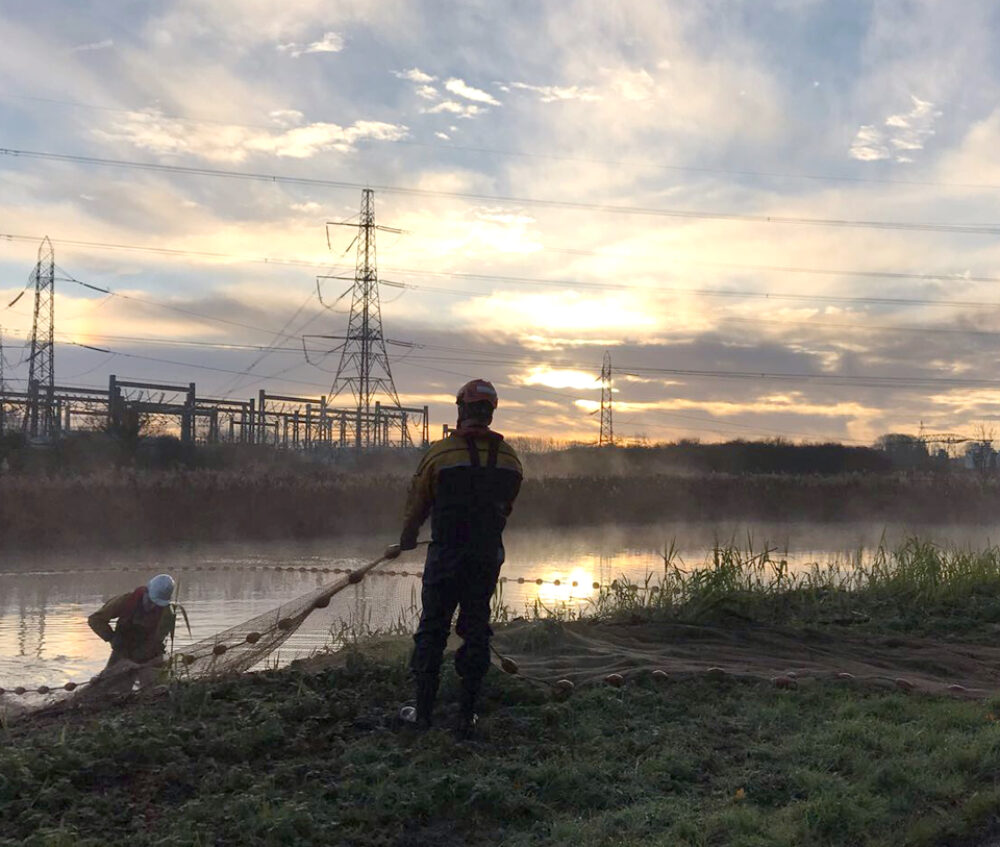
290 757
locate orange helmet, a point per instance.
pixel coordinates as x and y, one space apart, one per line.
477 391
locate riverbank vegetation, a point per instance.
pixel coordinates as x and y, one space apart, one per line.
131 507
314 758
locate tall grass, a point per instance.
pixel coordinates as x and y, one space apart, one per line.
917 583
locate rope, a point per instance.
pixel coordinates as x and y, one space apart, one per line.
520 580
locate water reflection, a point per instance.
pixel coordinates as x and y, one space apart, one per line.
45 600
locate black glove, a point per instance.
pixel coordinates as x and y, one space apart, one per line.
408 540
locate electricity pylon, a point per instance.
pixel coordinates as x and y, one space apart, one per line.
41 420
607 436
364 362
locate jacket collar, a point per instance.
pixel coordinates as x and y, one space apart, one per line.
466 429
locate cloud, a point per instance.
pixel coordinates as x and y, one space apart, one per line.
463 110
553 93
460 88
902 134
151 130
95 45
560 311
559 378
634 85
331 42
414 75
428 92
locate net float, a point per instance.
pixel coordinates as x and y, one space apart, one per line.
616 680
70 686
903 684
285 624
845 675
355 577
43 689
19 690
509 665
252 637
2 692
716 671
219 649
321 603
957 689
784 681
597 585
659 674
562 689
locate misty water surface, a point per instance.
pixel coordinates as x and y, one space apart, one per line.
45 600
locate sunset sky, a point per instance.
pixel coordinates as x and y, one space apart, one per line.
570 178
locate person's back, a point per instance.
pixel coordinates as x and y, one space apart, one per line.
468 482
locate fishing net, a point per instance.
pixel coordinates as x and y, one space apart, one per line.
233 650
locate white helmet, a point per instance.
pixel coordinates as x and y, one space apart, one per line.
161 589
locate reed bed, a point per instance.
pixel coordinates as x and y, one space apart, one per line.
915 585
131 507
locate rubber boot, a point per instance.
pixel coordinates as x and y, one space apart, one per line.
467 718
427 686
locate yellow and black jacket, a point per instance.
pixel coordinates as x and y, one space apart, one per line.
467 484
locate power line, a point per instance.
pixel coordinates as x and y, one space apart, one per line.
683 214
526 154
568 283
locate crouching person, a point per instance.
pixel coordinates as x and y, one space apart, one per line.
145 620
466 484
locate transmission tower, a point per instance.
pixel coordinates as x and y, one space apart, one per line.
364 363
41 363
607 437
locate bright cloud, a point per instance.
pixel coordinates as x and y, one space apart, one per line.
459 87
559 378
414 75
150 130
463 110
331 42
900 135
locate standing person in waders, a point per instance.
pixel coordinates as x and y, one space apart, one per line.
467 484
145 620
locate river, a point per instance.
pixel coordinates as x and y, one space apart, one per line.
45 599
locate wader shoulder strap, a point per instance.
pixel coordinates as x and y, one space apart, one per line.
491 462
470 442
